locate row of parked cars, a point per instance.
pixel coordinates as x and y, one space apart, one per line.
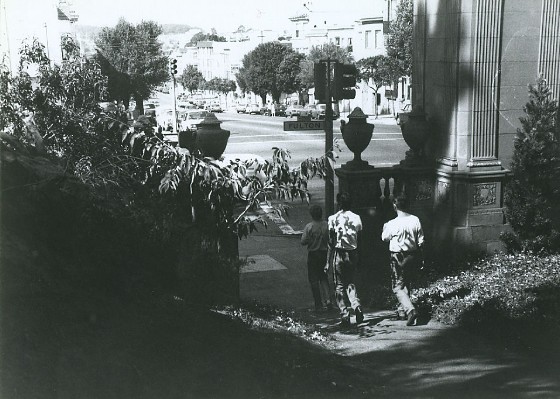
187 119
316 111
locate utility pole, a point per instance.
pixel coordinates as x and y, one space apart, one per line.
323 93
340 87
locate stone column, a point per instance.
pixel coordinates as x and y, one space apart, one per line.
472 62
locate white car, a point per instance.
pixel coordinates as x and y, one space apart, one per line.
402 115
192 118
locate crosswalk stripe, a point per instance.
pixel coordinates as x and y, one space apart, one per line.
278 220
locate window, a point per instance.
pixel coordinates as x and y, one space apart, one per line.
337 41
297 33
367 38
377 39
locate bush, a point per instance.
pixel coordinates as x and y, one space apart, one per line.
499 292
533 193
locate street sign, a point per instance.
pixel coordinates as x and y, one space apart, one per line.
303 125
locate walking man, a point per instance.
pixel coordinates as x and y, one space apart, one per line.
406 238
342 253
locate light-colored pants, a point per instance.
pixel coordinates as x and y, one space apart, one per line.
345 264
403 264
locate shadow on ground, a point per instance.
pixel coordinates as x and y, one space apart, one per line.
88 347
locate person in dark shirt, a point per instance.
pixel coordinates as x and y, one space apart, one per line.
315 236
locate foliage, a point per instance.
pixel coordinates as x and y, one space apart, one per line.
289 72
191 78
521 288
378 71
264 70
213 189
399 39
263 317
57 109
126 179
201 36
533 192
221 85
135 51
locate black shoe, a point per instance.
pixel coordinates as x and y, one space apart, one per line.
411 317
359 315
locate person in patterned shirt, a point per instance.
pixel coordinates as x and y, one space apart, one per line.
342 254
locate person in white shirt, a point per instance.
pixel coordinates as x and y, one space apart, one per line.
342 253
406 238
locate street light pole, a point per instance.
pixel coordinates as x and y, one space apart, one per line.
174 107
329 175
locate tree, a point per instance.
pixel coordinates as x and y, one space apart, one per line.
260 72
242 81
57 111
378 71
191 78
226 86
533 193
289 72
201 36
178 203
135 51
399 40
317 53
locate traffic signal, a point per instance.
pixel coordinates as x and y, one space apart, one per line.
344 81
173 66
320 79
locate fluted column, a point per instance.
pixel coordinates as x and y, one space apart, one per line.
549 48
486 83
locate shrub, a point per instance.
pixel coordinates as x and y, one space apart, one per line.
533 193
499 291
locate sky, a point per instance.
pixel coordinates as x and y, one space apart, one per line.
224 15
21 19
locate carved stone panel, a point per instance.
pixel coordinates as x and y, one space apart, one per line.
423 190
484 194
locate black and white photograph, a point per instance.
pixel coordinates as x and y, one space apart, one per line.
279 199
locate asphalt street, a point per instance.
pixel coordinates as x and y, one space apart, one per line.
258 134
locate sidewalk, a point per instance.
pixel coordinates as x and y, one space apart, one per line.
423 361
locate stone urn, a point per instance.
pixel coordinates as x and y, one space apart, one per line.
357 136
211 140
415 130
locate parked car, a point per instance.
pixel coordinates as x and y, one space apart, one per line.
406 109
192 118
253 109
240 108
280 110
318 111
214 107
294 110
